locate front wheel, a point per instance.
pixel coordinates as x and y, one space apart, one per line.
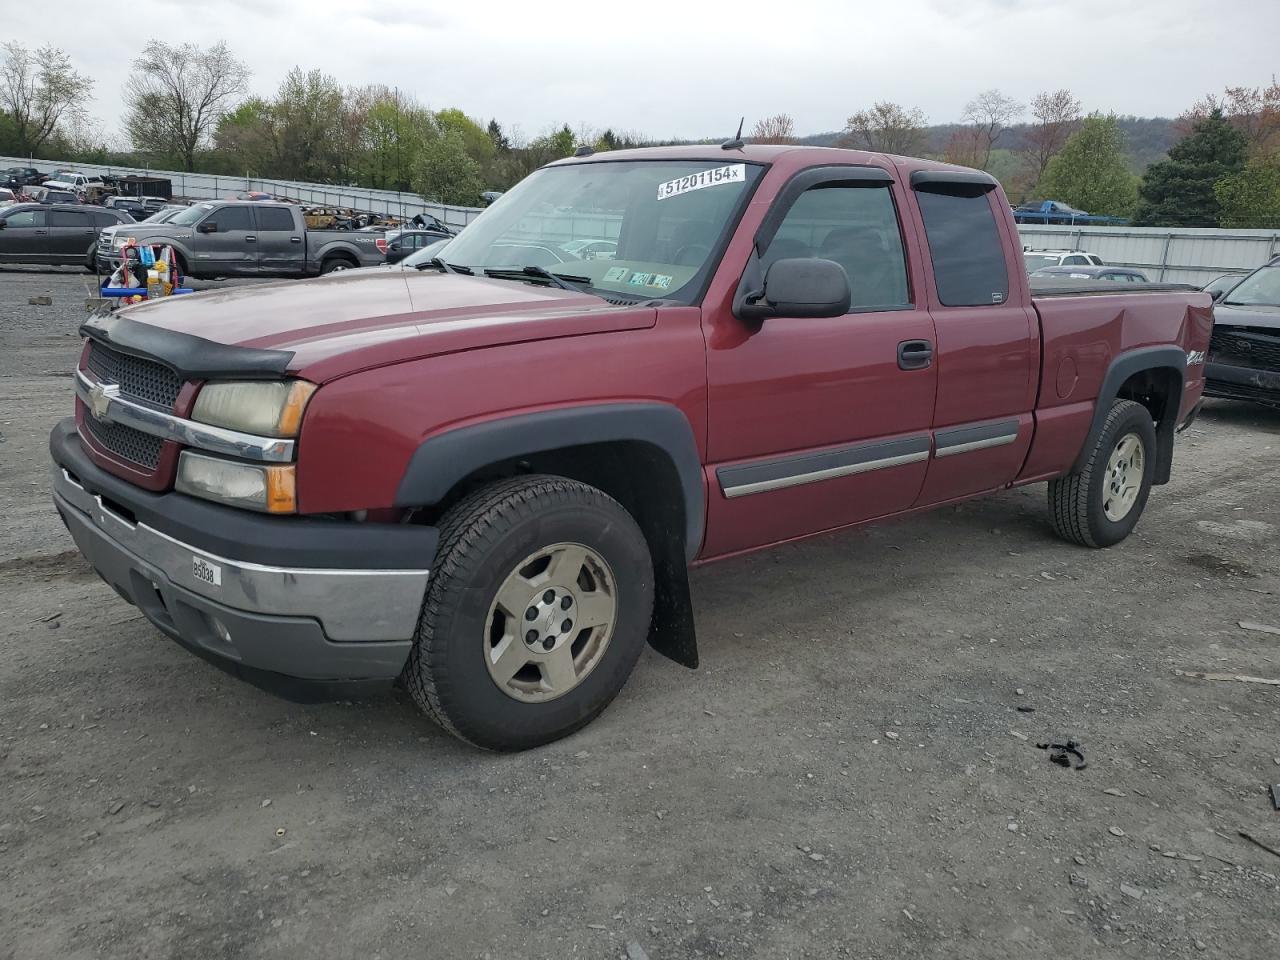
537 610
1100 505
335 265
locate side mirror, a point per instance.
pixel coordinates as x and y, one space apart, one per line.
801 287
209 226
1218 295
3 224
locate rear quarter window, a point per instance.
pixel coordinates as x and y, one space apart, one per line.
965 246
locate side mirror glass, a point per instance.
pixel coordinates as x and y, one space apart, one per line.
800 287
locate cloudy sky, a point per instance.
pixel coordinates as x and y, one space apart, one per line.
690 68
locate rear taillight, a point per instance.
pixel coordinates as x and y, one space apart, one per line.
381 244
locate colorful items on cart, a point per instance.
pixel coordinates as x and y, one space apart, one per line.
149 269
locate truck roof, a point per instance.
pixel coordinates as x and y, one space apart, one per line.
794 155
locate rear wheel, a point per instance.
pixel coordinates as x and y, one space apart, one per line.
1100 505
537 610
335 264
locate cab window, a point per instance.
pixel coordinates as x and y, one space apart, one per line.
856 225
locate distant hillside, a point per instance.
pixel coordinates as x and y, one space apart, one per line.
1148 138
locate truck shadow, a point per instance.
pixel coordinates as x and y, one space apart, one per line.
1239 413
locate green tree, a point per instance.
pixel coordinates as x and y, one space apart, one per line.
1179 191
480 146
1090 172
446 173
1251 198
501 143
306 116
393 134
245 141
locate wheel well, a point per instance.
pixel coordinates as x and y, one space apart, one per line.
339 255
1159 389
643 479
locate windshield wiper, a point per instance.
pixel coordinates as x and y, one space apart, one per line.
446 267
564 281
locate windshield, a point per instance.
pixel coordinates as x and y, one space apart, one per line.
636 228
187 217
1036 261
1260 289
426 254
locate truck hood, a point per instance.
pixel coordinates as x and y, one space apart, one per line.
353 320
1225 315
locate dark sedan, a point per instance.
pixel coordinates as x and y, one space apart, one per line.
1119 274
54 233
398 244
1244 355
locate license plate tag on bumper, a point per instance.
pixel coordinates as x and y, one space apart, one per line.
206 572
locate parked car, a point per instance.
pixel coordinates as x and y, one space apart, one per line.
238 238
1039 259
130 205
57 233
76 183
591 249
7 195
489 479
1219 287
1055 211
48 195
398 244
253 195
1121 274
17 177
1244 356
425 221
489 196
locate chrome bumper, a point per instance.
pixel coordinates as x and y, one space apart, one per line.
350 605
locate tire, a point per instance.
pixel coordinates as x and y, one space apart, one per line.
336 264
1093 507
467 641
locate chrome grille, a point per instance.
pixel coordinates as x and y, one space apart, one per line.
139 379
126 442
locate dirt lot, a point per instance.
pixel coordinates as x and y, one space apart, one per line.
848 775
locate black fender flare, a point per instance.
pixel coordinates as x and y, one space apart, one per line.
441 461
1123 367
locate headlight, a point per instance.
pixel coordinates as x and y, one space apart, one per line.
268 408
267 488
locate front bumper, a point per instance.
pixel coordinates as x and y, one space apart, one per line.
1242 383
306 608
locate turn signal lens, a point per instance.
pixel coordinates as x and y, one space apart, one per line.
268 488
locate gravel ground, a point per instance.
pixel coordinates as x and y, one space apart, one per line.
850 774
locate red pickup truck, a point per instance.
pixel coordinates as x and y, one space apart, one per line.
488 478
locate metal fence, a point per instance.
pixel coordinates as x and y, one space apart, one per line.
204 186
1189 255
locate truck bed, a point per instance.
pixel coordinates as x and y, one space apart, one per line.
1066 287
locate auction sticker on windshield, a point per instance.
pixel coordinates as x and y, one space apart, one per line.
730 173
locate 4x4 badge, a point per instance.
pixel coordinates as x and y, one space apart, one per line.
100 397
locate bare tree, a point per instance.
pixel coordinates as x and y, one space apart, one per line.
1057 115
177 94
39 90
989 113
776 129
963 147
1254 111
886 128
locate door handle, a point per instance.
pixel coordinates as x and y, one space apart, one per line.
295 239
914 354
250 239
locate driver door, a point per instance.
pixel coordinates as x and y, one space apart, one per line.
820 423
231 249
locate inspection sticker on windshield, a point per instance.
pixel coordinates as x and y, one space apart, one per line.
731 173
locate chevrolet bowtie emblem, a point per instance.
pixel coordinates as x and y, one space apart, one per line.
100 396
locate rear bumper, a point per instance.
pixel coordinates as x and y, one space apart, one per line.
1242 383
278 619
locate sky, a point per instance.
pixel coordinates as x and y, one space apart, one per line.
689 69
